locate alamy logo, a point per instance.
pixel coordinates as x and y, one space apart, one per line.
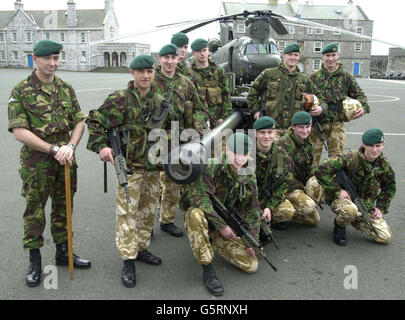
51 280
351 281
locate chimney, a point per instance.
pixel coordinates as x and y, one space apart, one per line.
18 5
108 5
273 2
71 14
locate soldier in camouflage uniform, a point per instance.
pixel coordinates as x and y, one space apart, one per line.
42 110
335 84
211 82
180 39
189 112
131 111
279 92
299 149
374 181
206 229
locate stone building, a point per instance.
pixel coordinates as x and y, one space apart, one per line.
80 32
396 60
355 52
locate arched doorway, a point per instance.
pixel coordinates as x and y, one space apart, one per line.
106 59
123 59
114 59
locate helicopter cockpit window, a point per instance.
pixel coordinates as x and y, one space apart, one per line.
274 48
254 48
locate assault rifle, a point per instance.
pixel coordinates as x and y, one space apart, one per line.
234 222
120 163
309 101
346 183
266 235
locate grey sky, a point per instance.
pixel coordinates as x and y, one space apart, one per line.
133 16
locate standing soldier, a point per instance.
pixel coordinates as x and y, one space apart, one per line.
279 92
212 83
180 39
131 111
374 180
206 229
42 110
335 85
188 111
299 149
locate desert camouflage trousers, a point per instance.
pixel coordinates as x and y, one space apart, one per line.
335 136
46 179
171 193
199 235
298 207
134 221
347 213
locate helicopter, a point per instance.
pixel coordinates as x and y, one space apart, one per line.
247 56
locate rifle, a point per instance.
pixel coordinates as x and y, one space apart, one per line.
309 101
266 235
343 179
119 160
263 105
237 227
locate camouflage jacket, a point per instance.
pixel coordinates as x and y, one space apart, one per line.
185 104
48 111
301 154
335 87
272 173
212 85
184 69
375 182
234 191
283 92
128 111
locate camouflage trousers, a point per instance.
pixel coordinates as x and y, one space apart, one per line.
170 198
335 136
298 207
46 179
134 221
199 235
347 213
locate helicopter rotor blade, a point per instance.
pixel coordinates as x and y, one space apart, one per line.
278 26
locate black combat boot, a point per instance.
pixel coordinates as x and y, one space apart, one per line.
128 273
33 277
339 235
171 229
62 258
211 280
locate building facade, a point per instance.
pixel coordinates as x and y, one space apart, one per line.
355 52
78 30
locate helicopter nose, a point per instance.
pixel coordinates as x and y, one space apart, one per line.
255 64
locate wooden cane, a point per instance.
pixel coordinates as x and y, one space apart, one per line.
69 219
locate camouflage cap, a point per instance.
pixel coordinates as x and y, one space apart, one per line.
142 61
264 123
179 39
168 49
46 47
199 44
239 143
301 117
330 47
293 47
372 136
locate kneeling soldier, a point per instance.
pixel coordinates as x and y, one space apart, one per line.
206 229
374 181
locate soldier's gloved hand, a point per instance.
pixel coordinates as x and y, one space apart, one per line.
228 233
267 214
64 155
106 155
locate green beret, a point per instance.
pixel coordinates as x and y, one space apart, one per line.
239 143
168 49
330 47
372 136
142 61
46 47
293 47
179 39
199 44
301 117
264 123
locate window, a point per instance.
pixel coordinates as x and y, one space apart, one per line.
240 28
2 55
282 45
318 31
359 30
291 29
1 37
358 47
112 32
309 30
316 64
15 55
29 37
317 46
83 58
62 37
63 56
47 35
82 37
14 36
